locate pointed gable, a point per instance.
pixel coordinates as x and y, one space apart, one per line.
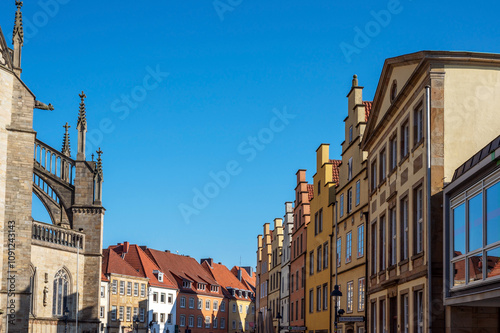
5 57
226 279
112 263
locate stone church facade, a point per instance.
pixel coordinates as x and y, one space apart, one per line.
51 270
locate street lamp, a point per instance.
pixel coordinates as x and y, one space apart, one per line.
338 312
66 315
279 317
136 322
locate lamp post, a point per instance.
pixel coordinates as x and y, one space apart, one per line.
338 312
136 322
279 317
66 314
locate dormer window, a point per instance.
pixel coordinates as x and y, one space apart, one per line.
158 274
214 289
394 90
186 284
201 286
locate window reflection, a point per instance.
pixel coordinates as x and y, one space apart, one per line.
476 222
475 267
493 214
459 230
493 260
459 273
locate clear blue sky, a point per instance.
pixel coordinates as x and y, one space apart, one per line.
227 71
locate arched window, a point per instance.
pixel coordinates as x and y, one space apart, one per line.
60 293
32 290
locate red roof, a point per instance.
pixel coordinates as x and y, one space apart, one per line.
113 263
178 268
138 259
336 170
249 281
310 189
368 109
225 278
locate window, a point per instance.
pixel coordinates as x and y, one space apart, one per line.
383 327
207 304
291 281
405 138
393 153
234 324
169 318
318 299
374 249
200 321
170 298
60 292
406 314
155 316
129 313
136 289
341 208
374 317
200 303
113 312
191 302
222 307
311 263
339 251
394 91
350 292
120 313
419 220
418 125
136 313
183 302
183 320
349 200
319 187
350 134
383 161
155 297
320 220
163 297
129 288
393 227
241 308
214 325
234 308
143 290
348 247
361 294
191 321
326 296
207 322
373 172
319 261
404 229
142 315
361 240
383 244
349 169
122 287
419 308
114 286
101 312
223 323
325 255
311 301
216 305
358 191
103 291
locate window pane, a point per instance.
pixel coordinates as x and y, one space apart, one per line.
459 230
459 273
476 222
493 214
475 267
493 259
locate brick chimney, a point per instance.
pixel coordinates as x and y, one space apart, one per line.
209 261
126 247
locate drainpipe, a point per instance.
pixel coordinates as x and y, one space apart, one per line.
428 149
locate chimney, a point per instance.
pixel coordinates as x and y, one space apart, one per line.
168 251
209 261
126 247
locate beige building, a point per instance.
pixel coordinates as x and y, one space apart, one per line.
352 210
273 300
405 285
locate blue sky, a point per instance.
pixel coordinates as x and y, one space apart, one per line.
221 76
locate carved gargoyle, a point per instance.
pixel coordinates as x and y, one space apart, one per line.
42 106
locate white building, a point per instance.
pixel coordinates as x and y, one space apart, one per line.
285 265
161 302
104 303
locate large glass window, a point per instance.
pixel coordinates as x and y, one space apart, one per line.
476 222
60 293
348 247
493 214
358 191
459 230
361 240
339 250
350 294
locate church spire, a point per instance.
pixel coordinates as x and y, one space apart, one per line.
82 128
98 179
66 150
18 37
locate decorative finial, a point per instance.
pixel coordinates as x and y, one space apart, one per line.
354 80
92 157
98 166
66 150
98 179
18 24
82 116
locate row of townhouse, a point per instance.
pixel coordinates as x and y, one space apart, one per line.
146 290
402 232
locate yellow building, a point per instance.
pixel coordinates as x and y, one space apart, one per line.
273 301
319 242
352 207
405 291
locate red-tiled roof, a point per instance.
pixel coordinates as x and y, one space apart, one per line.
138 259
310 190
336 170
250 281
225 278
113 263
104 278
368 109
178 267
